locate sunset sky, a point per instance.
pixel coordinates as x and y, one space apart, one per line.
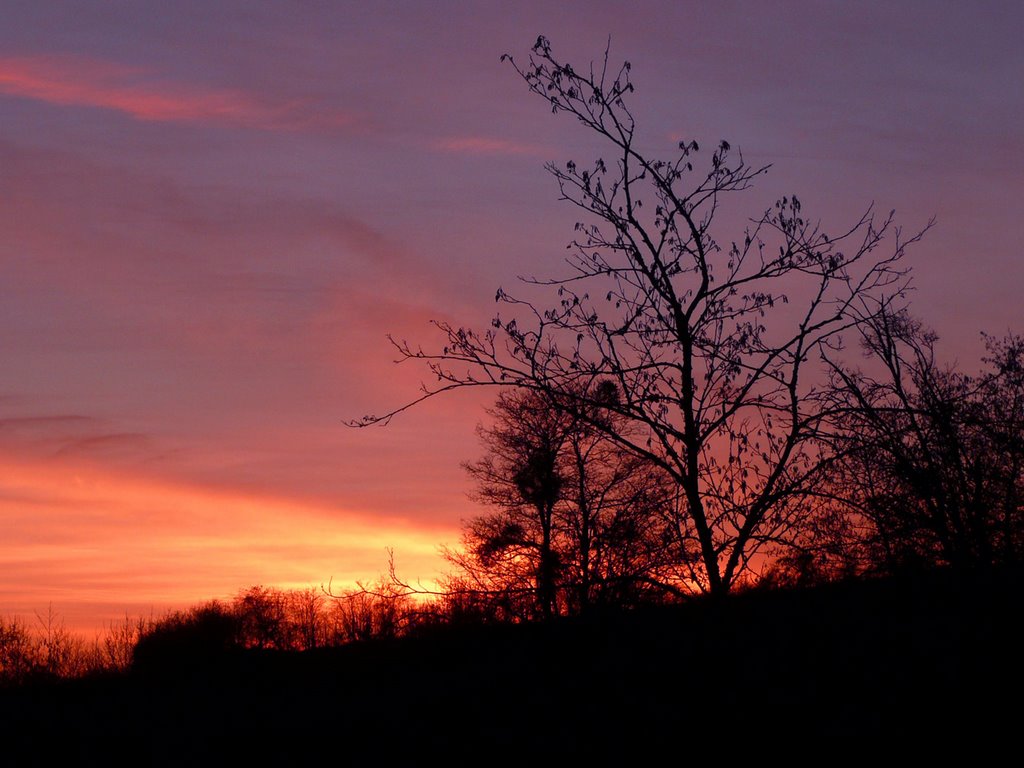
212 213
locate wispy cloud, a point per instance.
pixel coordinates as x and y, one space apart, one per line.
31 422
146 96
72 435
484 145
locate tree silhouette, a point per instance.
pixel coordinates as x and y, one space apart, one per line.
714 343
932 459
578 521
521 474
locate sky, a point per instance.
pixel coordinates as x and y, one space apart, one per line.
212 214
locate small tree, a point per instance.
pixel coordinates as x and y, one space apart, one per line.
263 618
714 342
307 610
19 653
375 611
118 642
577 518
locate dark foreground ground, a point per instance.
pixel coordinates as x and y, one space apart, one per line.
922 667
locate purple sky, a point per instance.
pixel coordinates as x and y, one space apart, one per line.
209 219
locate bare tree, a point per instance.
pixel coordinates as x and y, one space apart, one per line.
931 463
307 611
714 343
382 609
60 652
18 651
120 638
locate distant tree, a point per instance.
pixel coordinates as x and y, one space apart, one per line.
931 459
307 612
18 651
119 639
264 618
189 640
375 611
60 652
714 342
577 520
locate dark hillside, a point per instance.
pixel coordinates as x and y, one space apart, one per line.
921 662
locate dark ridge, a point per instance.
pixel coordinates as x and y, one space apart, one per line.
919 664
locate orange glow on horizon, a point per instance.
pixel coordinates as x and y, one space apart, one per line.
95 544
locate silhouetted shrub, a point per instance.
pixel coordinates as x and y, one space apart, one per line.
18 651
189 639
264 618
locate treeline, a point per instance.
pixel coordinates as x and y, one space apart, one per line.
46 648
257 618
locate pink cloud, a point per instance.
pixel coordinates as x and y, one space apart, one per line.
73 81
483 145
